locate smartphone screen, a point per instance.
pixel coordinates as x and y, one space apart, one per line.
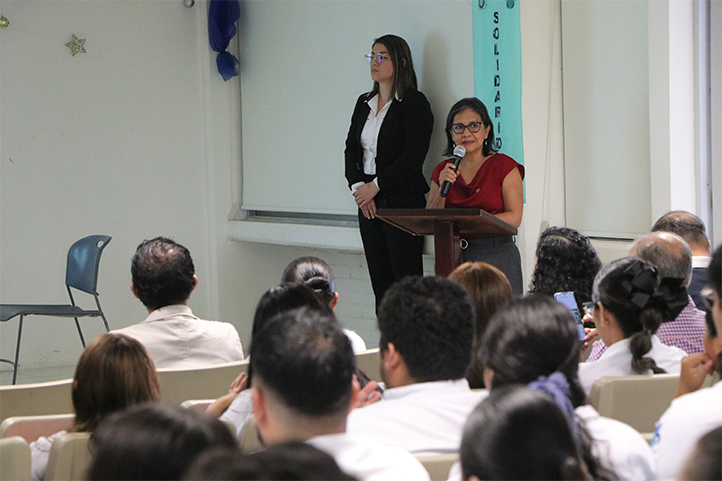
567 299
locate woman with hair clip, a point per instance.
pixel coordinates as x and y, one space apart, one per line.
566 261
520 433
385 150
694 412
113 373
535 339
485 179
630 303
317 275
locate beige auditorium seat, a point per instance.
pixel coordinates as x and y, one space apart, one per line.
14 459
36 399
31 428
69 458
251 441
438 465
369 362
178 385
636 400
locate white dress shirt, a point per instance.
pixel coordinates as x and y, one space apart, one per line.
426 417
175 338
370 137
369 460
617 361
683 423
616 445
40 454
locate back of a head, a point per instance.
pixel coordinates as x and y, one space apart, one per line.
306 360
314 273
705 461
566 261
714 272
531 337
162 272
488 288
113 373
292 460
287 297
519 433
666 251
630 289
430 322
686 225
153 441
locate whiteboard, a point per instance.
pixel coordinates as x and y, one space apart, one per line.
605 72
302 69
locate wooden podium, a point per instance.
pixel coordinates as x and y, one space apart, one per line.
447 226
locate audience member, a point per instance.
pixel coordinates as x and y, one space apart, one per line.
113 373
163 279
630 303
153 441
533 338
520 433
293 460
690 228
705 462
237 405
317 275
566 261
696 367
427 333
303 366
672 257
489 289
694 414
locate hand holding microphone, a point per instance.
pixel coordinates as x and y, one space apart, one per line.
459 153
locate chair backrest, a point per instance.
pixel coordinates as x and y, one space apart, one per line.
69 458
14 459
178 385
636 400
31 428
198 405
438 465
36 399
81 271
369 362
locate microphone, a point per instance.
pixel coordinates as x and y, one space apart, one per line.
459 152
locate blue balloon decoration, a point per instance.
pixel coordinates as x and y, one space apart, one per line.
222 17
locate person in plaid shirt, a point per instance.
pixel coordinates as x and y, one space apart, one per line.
672 257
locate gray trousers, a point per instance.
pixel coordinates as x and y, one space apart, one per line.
499 251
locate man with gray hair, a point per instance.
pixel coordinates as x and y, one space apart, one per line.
690 228
672 257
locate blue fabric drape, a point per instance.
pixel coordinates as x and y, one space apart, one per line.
222 17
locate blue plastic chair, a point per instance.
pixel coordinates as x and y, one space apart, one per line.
81 273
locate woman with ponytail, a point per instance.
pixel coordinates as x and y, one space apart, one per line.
630 303
317 275
520 433
534 341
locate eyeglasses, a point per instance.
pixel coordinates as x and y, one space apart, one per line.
379 57
473 127
709 298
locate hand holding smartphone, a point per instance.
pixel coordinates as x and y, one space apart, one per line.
567 299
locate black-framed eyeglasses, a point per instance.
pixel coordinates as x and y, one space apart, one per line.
379 57
473 127
709 297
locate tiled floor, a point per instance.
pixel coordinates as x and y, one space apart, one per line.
29 376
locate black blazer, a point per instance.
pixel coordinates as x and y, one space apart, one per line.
403 142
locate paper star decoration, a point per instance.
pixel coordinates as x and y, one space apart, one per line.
76 45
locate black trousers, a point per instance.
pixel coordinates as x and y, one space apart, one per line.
501 252
391 253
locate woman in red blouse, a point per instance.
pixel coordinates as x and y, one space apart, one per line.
485 180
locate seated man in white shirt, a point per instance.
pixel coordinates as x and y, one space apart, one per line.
427 332
303 368
163 279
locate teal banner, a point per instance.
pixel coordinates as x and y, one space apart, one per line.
497 70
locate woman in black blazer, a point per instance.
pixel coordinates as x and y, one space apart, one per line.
385 151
